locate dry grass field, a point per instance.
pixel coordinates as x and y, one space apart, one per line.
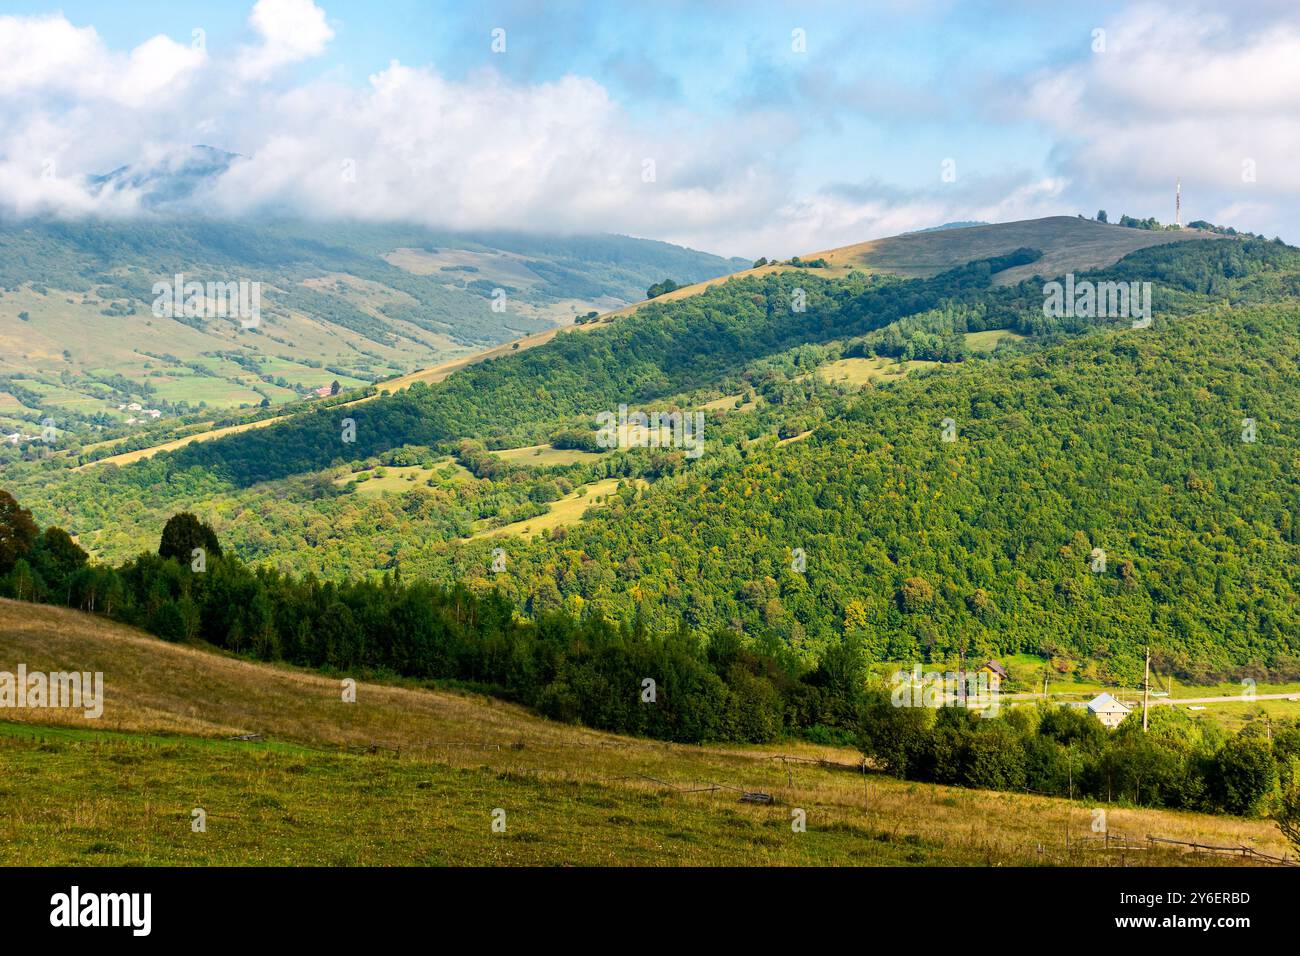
863 371
1068 244
546 456
563 511
985 342
411 775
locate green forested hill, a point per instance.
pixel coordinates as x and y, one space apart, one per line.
1128 442
1087 435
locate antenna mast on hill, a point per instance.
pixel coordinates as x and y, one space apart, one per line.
1178 204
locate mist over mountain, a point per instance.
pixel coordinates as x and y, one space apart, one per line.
176 178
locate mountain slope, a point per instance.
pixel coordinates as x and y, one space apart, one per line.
352 303
1068 244
1071 243
915 545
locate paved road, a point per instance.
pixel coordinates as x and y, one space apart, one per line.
1232 699
1168 701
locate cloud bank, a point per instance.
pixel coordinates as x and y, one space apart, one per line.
1195 97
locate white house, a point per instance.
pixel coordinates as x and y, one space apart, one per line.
1108 710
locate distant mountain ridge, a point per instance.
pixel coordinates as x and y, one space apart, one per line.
352 302
963 224
173 180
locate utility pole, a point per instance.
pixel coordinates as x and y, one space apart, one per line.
1070 765
961 670
1146 690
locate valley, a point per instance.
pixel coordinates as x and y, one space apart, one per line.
356 306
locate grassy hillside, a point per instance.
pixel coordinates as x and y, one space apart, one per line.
1068 244
408 775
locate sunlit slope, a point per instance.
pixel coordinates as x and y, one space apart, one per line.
1068 244
410 776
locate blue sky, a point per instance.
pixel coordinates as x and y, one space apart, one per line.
757 147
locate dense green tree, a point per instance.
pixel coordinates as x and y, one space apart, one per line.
18 532
182 534
1243 773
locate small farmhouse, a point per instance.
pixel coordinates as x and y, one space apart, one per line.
995 670
1108 710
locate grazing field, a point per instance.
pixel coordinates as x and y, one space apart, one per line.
392 479
730 403
1068 244
411 776
985 342
565 511
216 392
546 456
864 371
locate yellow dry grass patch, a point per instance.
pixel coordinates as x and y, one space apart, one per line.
862 371
728 404
545 456
564 511
401 478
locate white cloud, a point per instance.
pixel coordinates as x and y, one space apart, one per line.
489 152
1180 94
289 31
48 56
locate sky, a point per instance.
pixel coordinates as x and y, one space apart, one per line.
742 129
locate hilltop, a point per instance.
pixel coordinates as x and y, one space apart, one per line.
411 775
1068 244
